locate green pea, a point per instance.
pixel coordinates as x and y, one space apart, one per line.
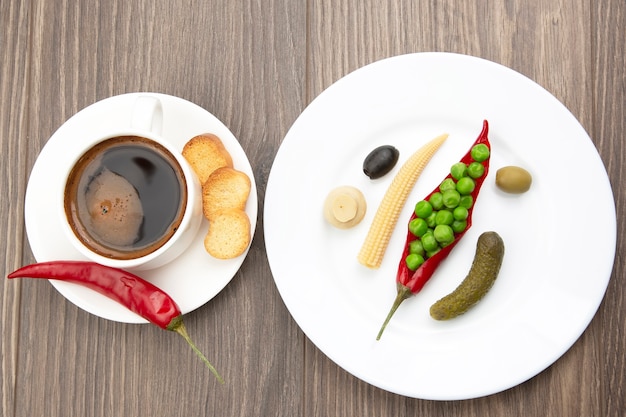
418 226
429 242
465 186
475 170
447 184
480 152
436 200
414 261
423 209
433 252
451 198
444 217
443 234
458 170
416 247
459 225
431 220
460 213
466 201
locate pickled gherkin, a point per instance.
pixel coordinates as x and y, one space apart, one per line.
479 280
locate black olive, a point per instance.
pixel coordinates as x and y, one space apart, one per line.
380 161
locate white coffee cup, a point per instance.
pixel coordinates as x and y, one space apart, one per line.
130 200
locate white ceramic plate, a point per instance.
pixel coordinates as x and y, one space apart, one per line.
193 278
559 237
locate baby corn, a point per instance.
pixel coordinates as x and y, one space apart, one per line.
386 217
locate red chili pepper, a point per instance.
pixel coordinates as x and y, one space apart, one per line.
409 282
132 291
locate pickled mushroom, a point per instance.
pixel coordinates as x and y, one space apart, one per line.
345 207
115 209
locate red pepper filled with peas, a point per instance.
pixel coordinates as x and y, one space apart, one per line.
440 220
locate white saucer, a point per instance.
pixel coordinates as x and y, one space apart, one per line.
192 279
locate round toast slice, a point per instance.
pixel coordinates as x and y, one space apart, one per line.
228 235
206 153
226 188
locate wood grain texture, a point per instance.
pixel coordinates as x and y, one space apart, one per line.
609 125
14 37
256 65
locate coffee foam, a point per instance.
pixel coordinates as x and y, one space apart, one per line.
114 208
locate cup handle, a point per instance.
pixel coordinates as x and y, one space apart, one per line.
147 115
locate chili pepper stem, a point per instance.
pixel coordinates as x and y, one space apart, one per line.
178 326
403 293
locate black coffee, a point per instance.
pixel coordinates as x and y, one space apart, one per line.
125 197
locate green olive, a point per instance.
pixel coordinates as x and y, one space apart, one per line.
513 179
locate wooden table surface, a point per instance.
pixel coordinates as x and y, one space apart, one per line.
256 65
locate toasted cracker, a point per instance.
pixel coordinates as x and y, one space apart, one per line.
206 153
228 235
226 188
